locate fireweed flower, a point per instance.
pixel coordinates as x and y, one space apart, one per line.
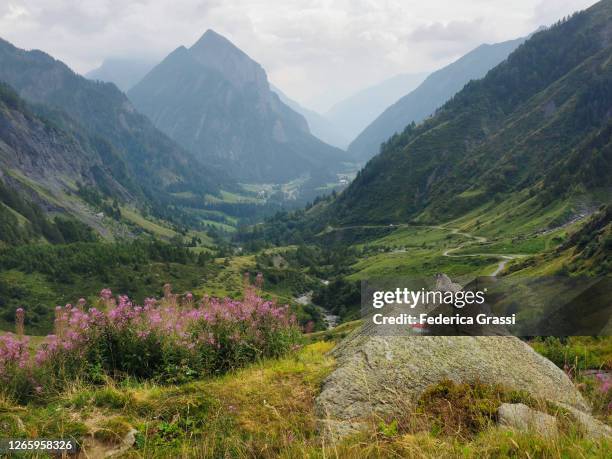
13 353
188 299
209 336
106 294
149 302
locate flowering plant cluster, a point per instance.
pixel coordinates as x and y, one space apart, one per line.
173 339
604 386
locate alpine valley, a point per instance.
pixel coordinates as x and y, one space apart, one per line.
175 206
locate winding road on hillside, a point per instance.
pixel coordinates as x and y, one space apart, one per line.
504 258
472 239
584 213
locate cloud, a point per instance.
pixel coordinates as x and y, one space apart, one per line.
317 51
455 31
548 12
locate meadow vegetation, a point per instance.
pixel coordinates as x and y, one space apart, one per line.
267 410
173 340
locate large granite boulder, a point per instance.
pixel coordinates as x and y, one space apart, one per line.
380 375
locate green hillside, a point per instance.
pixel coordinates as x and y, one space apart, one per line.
538 122
423 101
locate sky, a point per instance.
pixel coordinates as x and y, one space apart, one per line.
316 51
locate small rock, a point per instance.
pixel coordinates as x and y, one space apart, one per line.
524 419
591 427
126 444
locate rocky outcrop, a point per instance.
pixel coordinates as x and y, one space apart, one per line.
520 417
379 375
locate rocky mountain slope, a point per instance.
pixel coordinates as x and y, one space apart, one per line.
216 102
39 150
100 109
43 166
437 88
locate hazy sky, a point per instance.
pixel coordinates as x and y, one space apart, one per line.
317 51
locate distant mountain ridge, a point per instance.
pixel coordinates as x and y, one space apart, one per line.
354 113
536 128
124 72
432 93
216 102
321 127
103 110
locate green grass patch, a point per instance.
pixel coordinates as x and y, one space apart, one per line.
147 225
232 198
230 277
577 352
419 263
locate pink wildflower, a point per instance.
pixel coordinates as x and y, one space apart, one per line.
209 327
606 383
106 294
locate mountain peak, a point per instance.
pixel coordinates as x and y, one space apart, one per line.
215 51
213 41
216 101
210 34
